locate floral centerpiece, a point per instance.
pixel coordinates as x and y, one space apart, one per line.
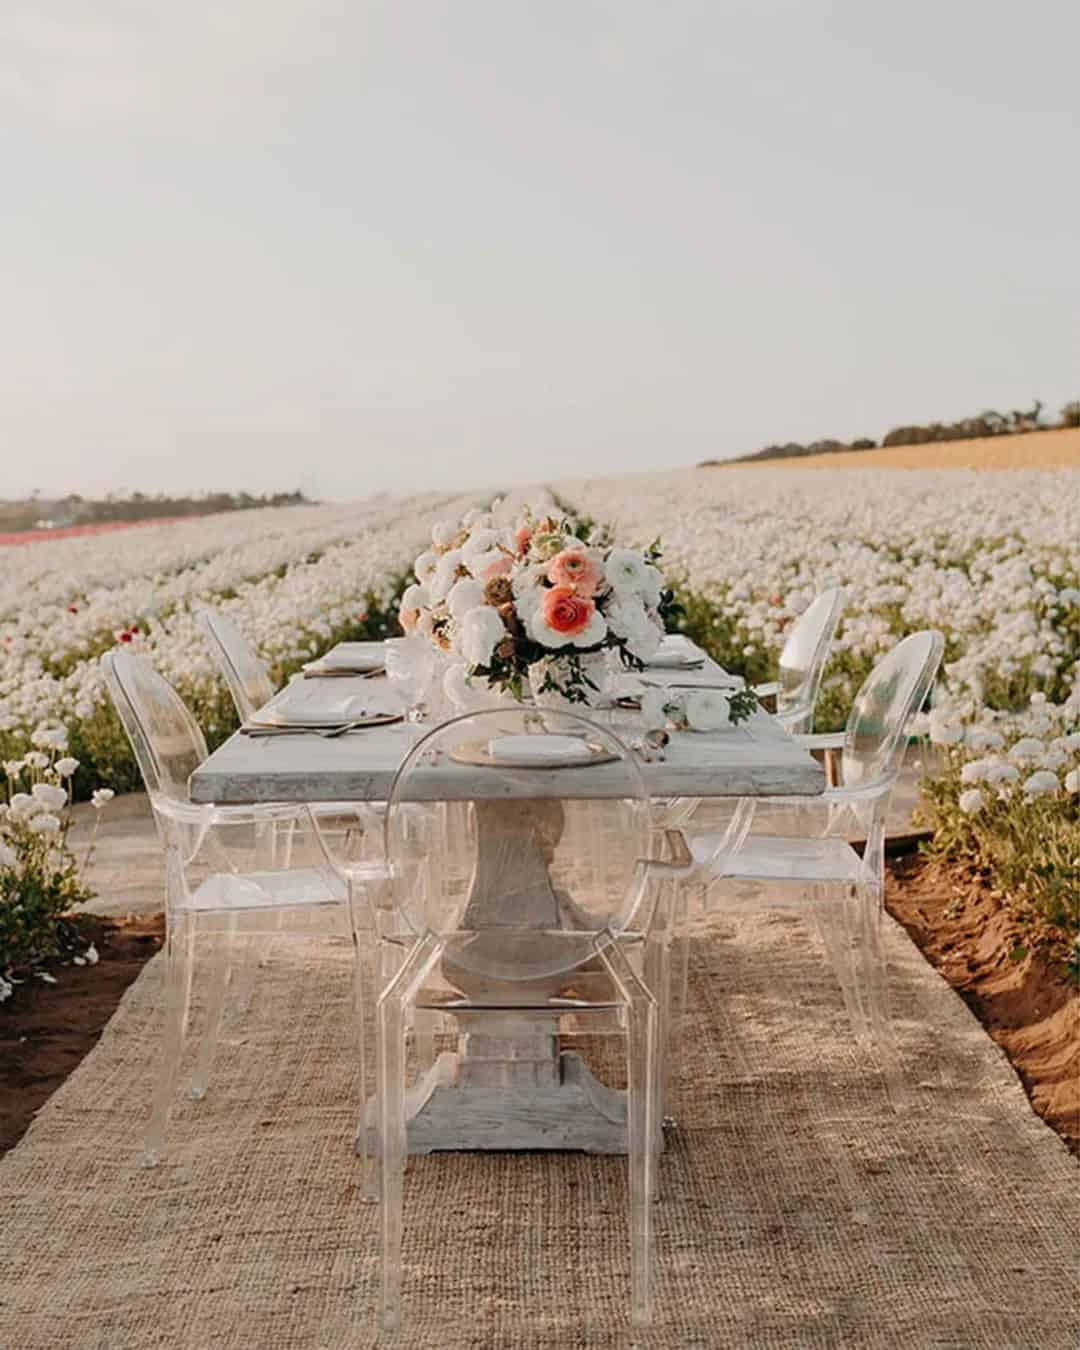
543 604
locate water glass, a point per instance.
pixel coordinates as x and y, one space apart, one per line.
410 668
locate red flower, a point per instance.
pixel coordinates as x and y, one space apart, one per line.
125 637
567 612
73 609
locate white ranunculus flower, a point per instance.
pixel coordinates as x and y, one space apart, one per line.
22 806
465 594
480 541
971 801
444 576
707 710
1072 782
628 618
50 797
8 857
101 797
46 823
627 572
1027 750
944 731
415 597
1000 772
482 630
444 532
36 760
66 767
1041 784
425 565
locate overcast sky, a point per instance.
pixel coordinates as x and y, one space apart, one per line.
356 246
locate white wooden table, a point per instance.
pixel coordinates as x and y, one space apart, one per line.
534 1097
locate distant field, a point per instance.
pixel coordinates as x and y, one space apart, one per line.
74 531
1034 450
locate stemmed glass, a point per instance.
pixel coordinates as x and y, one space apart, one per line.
410 668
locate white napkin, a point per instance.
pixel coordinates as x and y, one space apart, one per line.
346 657
674 651
539 750
318 712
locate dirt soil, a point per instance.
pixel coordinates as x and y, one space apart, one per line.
46 1029
1017 987
1015 982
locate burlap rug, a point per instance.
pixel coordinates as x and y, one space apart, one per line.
797 1210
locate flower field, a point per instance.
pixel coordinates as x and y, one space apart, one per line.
296 580
992 560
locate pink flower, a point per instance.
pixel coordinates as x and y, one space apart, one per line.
494 563
567 612
408 618
573 567
522 538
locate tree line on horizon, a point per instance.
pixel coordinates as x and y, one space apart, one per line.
987 423
74 509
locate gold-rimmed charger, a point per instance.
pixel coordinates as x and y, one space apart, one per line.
478 753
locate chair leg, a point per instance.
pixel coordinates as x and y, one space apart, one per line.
221 964
179 961
362 999
836 918
391 1113
672 1028
642 1125
876 985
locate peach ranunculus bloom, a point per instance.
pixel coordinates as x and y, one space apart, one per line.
495 563
567 612
407 618
522 537
574 567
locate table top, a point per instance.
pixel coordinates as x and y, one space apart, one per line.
757 758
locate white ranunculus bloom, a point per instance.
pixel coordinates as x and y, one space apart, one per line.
35 759
444 576
464 595
628 618
482 630
480 541
46 823
971 801
1027 750
627 572
415 597
50 797
707 710
944 731
425 565
1072 782
444 532
8 856
66 767
101 797
1000 772
1041 783
22 806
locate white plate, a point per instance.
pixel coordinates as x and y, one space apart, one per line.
532 752
322 712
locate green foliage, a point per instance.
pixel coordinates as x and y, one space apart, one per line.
36 894
1028 849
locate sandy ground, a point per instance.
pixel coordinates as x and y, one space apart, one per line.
1035 450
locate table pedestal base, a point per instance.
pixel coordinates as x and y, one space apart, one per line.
576 1112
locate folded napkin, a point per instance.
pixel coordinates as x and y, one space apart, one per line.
539 750
344 659
675 651
319 712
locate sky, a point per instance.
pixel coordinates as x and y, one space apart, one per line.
353 246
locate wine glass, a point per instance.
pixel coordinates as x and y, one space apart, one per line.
410 668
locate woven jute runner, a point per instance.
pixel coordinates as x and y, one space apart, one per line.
797 1210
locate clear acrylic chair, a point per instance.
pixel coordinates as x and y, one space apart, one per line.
803 858
251 687
226 870
803 660
539 911
245 674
